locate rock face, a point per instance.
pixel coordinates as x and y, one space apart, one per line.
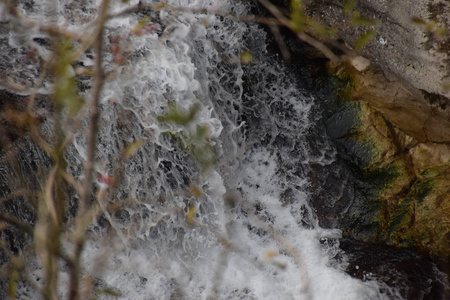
389 183
411 273
403 117
419 114
410 41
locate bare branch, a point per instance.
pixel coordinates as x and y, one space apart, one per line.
302 35
79 240
52 30
71 180
48 195
281 45
319 46
18 193
23 226
175 9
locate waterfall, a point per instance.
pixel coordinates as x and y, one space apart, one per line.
216 205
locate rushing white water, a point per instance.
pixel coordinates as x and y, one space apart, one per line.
254 235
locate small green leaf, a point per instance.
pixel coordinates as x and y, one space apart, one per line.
202 132
196 191
12 284
430 26
65 93
418 21
246 57
364 39
205 154
446 86
320 29
297 16
358 20
109 292
141 23
190 215
132 148
441 32
349 5
179 116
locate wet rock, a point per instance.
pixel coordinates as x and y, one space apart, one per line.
415 276
389 180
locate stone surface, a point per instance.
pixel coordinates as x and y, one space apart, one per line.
408 109
389 182
412 274
410 50
403 195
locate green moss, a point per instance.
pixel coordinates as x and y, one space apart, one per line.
345 84
380 177
400 219
423 189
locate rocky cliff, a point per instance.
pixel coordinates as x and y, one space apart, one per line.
400 85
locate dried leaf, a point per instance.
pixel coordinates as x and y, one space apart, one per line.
108 180
271 254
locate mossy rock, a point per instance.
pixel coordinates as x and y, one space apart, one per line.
411 206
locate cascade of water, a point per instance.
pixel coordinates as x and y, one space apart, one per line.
253 234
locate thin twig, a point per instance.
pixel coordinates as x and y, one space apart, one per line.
319 46
48 195
52 30
85 194
25 227
18 193
141 7
71 180
301 35
279 40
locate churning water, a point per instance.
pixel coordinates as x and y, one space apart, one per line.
214 206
